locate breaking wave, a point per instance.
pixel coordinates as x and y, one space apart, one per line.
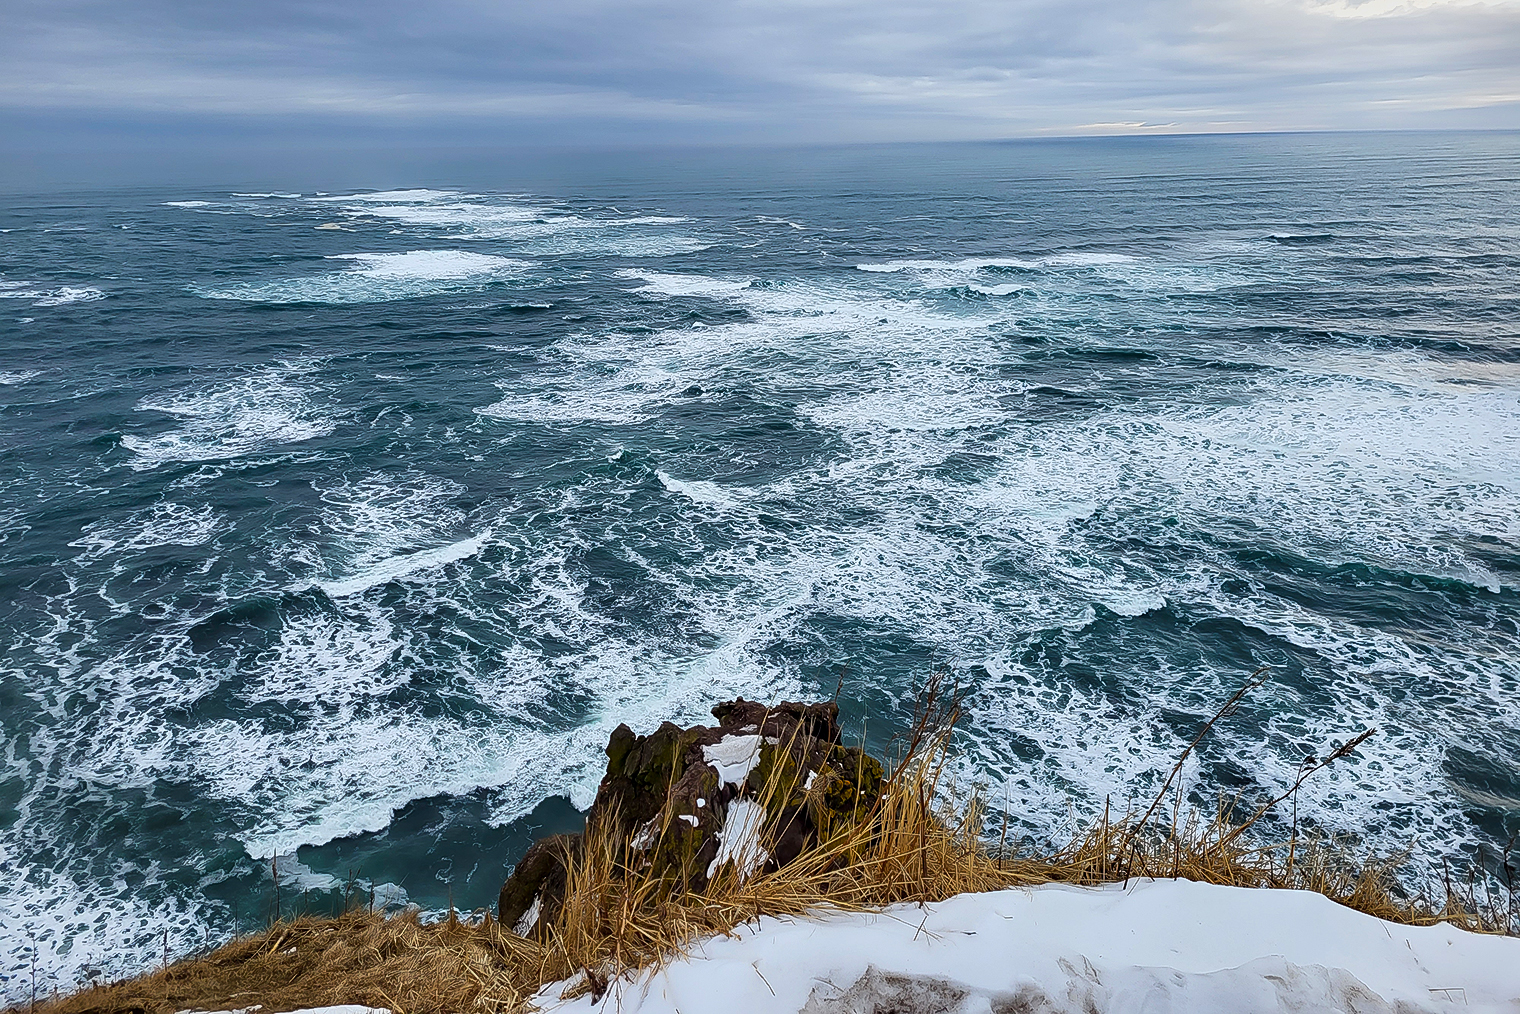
381 277
258 411
59 296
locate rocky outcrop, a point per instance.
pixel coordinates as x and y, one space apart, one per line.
688 805
536 883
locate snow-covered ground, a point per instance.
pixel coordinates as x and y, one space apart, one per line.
1151 946
342 1008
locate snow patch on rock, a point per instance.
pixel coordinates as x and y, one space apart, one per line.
525 924
735 756
645 836
739 841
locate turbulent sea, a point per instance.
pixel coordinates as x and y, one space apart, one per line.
341 519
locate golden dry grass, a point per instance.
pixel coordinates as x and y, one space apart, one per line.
362 957
620 917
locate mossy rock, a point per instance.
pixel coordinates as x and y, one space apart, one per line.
847 789
691 821
641 772
666 806
777 779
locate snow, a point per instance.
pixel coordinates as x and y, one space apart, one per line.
342 1008
735 756
739 840
646 836
525 925
1154 946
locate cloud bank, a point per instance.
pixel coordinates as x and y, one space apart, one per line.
779 70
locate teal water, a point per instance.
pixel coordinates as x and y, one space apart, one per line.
341 524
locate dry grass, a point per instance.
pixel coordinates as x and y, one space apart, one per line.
621 916
363 957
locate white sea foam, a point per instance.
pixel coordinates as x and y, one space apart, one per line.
348 779
1215 468
668 284
622 379
1068 274
476 218
291 872
69 294
401 566
381 277
710 493
560 403
1308 453
941 509
1076 259
892 267
164 524
11 378
265 408
530 228
67 925
430 264
381 520
60 296
414 196
533 228
1083 259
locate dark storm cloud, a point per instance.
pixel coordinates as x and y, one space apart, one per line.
827 68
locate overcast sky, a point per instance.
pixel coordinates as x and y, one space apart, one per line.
760 69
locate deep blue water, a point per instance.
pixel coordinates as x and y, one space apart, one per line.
342 526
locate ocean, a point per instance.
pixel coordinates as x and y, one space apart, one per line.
344 513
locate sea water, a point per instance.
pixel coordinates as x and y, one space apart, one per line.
343 516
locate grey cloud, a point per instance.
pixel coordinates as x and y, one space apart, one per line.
785 69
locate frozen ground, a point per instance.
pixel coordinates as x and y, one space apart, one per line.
1153 946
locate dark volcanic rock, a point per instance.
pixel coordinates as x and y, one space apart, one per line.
685 805
537 883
